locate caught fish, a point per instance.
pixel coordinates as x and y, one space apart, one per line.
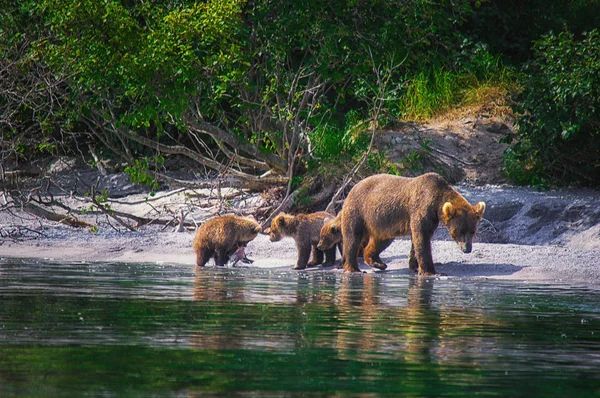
239 255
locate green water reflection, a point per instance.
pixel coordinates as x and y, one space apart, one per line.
125 329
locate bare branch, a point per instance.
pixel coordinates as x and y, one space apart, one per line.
234 141
104 210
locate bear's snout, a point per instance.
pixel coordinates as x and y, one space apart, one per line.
274 238
466 247
322 245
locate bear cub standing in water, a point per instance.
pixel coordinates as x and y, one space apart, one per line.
223 236
383 206
305 229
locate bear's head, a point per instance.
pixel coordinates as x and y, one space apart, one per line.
331 233
462 221
281 226
249 229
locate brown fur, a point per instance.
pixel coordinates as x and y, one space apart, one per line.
221 236
331 233
331 236
382 207
305 229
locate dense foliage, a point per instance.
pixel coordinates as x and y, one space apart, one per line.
559 125
241 87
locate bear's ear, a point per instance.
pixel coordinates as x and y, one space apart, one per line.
258 229
448 210
327 219
280 222
268 231
479 209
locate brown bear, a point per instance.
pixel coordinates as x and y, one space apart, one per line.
305 229
331 236
385 206
222 236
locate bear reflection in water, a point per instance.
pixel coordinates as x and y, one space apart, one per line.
358 316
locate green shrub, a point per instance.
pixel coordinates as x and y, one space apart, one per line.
558 136
330 142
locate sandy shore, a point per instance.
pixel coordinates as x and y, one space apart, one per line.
488 260
525 235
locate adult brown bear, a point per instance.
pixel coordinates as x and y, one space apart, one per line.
383 207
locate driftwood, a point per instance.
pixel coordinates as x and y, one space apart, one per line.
29 206
320 197
52 216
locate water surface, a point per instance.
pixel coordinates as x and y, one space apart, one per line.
147 329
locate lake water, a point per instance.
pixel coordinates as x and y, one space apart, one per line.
116 329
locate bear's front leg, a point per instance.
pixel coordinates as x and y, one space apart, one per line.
303 256
221 257
353 232
317 256
421 241
351 246
202 257
330 257
342 261
413 264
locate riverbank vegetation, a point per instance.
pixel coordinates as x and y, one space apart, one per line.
261 93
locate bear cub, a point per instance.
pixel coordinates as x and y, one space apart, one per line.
305 229
223 236
331 236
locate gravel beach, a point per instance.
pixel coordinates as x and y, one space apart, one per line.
527 235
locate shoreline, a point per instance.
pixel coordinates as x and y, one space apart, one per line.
551 236
527 263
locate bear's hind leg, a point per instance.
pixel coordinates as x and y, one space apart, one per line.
372 251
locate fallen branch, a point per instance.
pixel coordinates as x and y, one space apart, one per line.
320 197
151 199
181 219
52 216
251 183
453 157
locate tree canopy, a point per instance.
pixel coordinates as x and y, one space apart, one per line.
244 87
